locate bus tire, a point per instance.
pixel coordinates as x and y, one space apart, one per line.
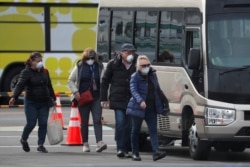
187 122
10 80
198 149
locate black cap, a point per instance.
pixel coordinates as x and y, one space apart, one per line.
92 53
128 47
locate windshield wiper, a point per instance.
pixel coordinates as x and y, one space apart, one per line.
236 69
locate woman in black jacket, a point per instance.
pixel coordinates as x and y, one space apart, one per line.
39 93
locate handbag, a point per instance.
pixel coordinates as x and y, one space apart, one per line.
164 101
85 98
54 129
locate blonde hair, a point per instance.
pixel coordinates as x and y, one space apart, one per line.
141 57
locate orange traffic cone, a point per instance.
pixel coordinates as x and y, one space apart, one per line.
58 113
74 137
58 101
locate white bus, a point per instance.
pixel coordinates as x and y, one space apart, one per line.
200 49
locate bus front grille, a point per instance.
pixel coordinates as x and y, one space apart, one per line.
247 115
245 131
163 123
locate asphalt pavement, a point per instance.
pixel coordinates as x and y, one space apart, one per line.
61 155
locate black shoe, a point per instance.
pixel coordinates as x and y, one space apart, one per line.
42 149
120 154
159 155
25 145
136 157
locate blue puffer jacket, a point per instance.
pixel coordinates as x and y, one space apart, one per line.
139 89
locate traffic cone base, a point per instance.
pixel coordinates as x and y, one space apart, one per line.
77 140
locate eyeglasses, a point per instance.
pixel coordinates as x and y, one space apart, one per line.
145 65
93 58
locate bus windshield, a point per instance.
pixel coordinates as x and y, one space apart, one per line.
228 40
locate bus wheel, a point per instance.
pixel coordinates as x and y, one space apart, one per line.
10 80
198 149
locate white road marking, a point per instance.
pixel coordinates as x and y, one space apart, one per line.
20 128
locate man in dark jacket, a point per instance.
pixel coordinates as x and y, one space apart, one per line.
117 76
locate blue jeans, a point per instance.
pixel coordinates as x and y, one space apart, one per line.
35 111
122 130
151 120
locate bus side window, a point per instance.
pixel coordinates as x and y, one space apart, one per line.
171 35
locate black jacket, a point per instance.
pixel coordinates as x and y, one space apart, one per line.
117 77
37 85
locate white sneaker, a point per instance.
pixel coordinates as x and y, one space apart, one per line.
86 148
101 146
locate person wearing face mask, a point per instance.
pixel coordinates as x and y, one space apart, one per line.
115 94
35 80
144 104
86 75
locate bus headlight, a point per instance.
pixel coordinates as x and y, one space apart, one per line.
218 116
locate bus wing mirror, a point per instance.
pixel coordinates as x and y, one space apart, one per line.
194 58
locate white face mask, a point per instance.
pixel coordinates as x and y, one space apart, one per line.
90 62
130 58
145 70
39 65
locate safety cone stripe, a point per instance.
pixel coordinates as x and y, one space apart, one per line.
74 114
58 109
74 119
58 102
74 124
